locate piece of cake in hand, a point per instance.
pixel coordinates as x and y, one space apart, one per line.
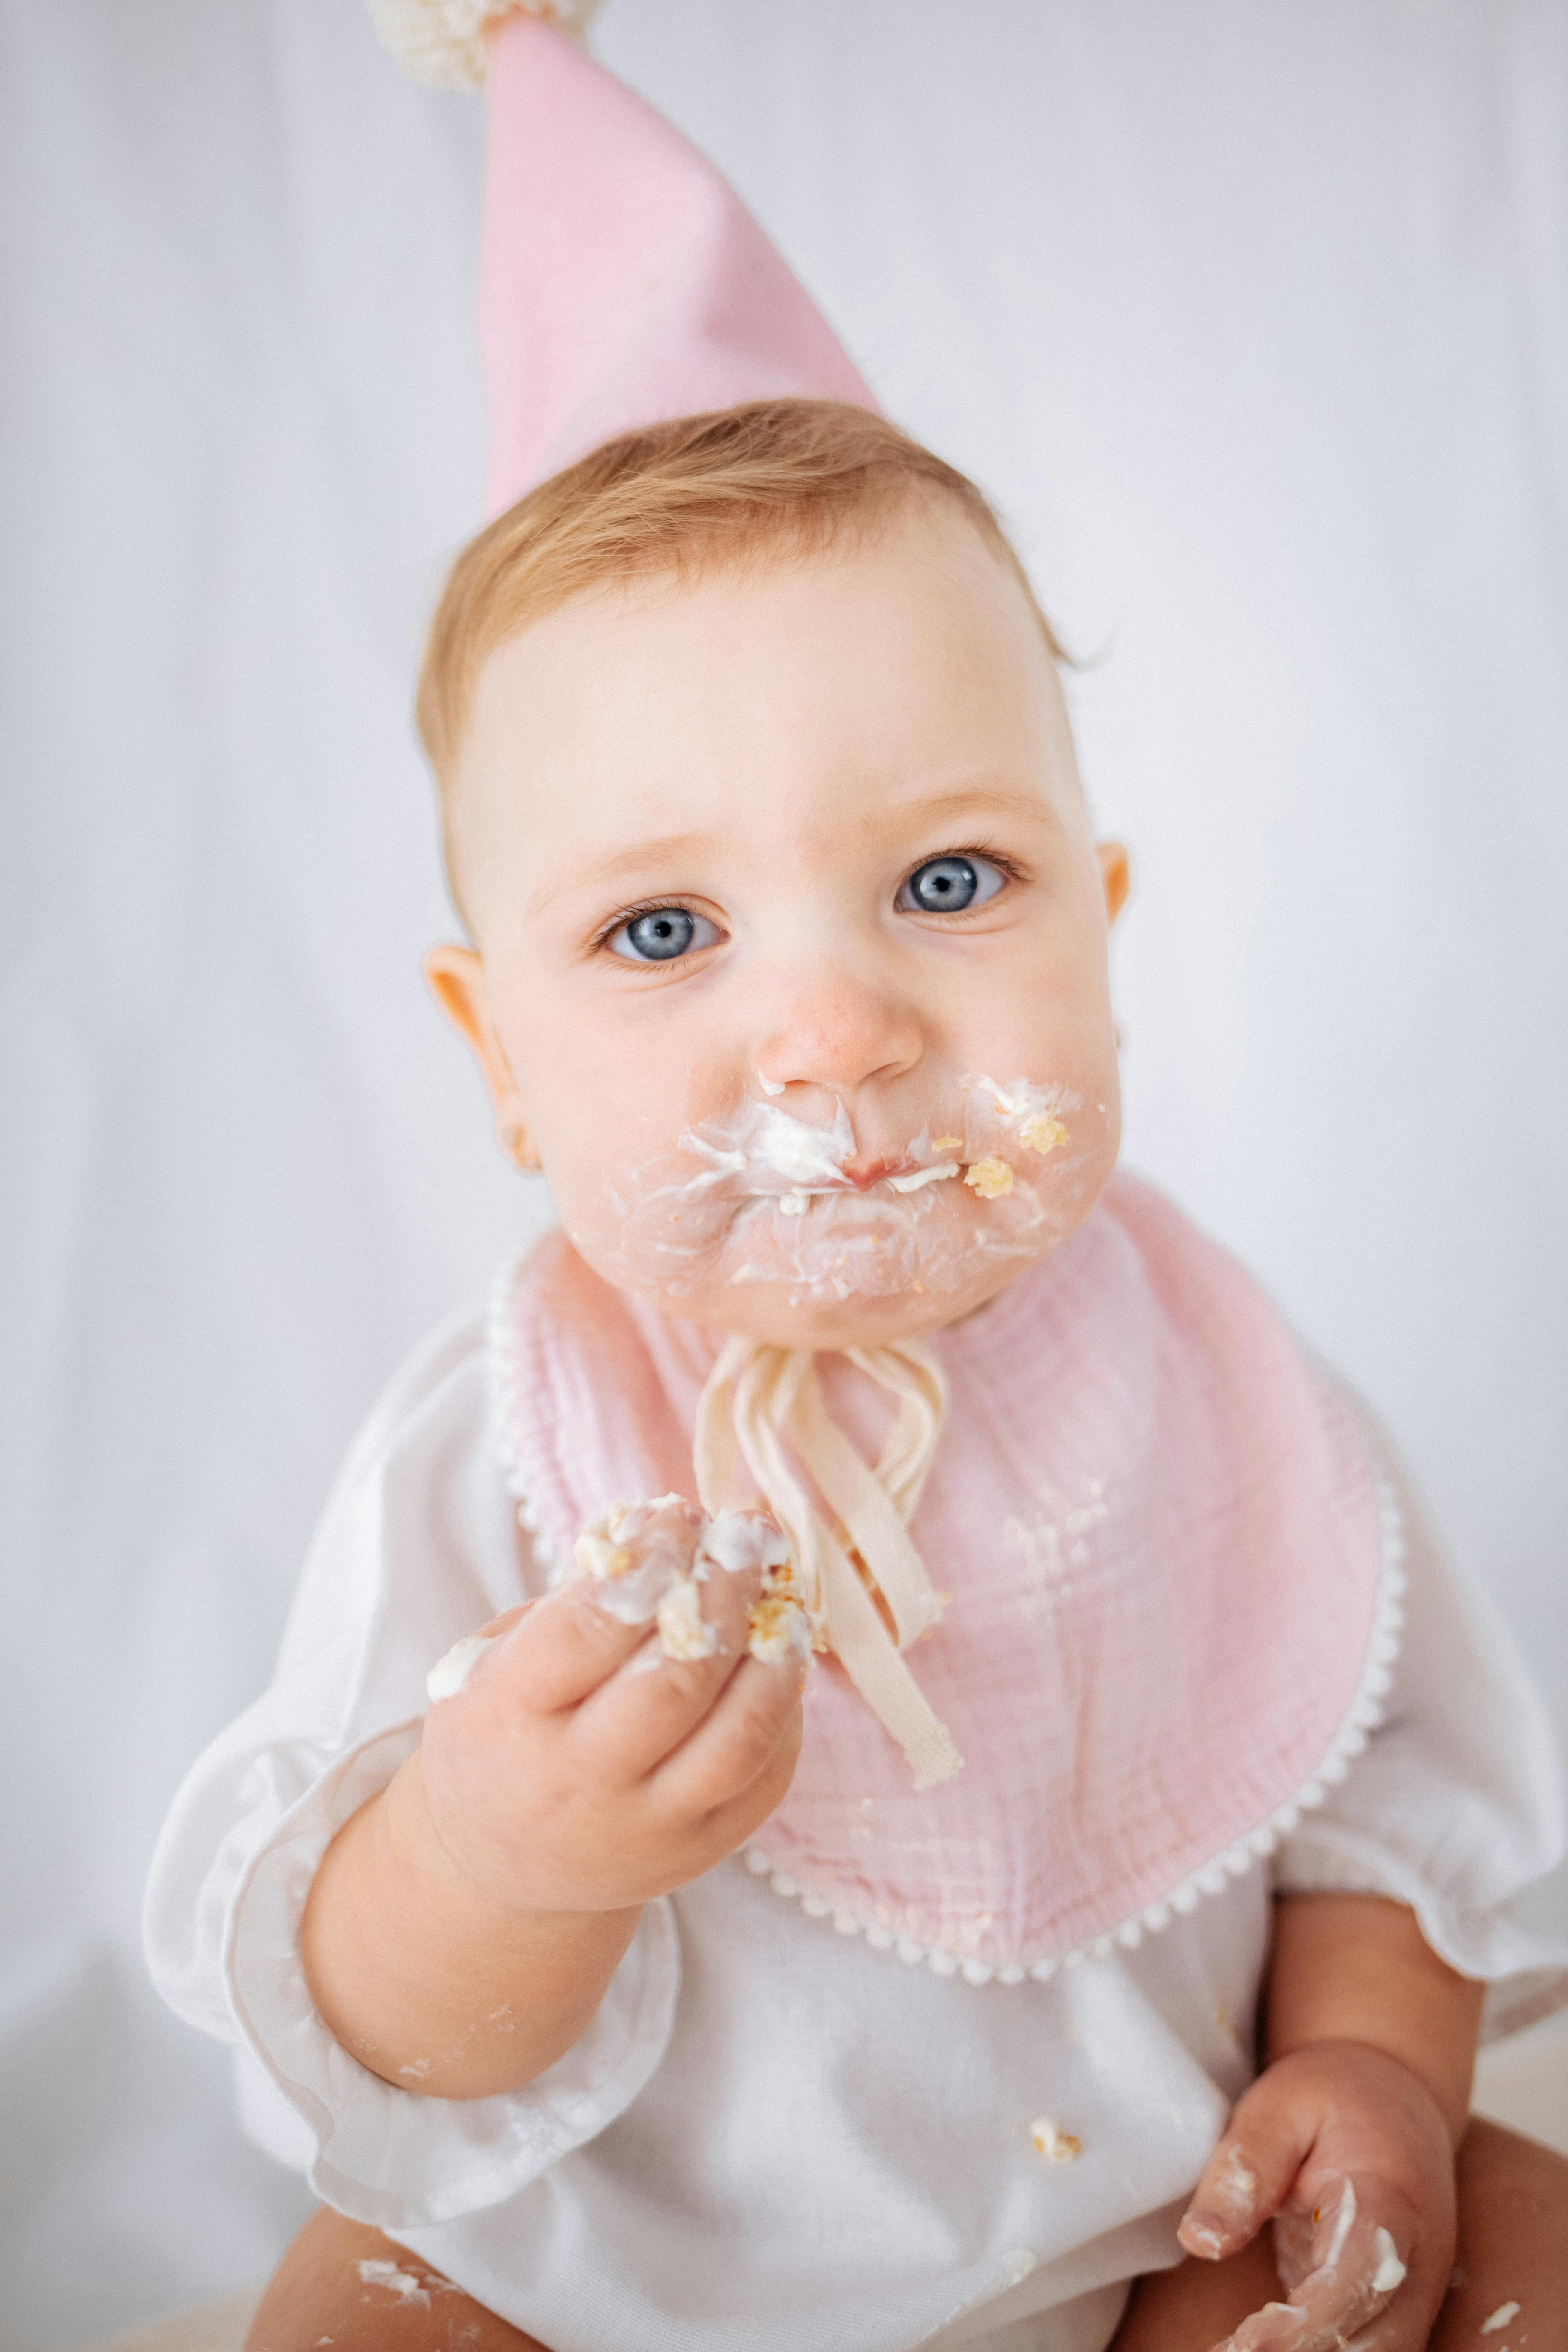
647 1562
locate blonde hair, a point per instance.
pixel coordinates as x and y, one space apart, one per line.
776 477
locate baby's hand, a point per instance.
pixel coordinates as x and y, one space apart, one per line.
625 1733
1349 2155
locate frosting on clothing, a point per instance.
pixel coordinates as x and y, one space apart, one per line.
1171 1594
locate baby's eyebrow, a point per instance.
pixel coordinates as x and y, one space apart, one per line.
643 858
969 800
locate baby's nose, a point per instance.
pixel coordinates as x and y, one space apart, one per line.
840 1032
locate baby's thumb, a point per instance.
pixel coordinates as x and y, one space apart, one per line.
1245 2181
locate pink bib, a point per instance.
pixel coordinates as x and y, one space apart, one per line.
1172 1575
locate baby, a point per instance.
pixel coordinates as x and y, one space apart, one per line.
920 1522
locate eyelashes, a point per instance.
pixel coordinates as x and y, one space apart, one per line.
951 885
657 930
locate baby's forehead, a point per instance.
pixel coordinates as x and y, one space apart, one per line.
826 691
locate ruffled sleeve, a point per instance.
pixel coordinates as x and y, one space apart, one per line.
1458 1806
418 1545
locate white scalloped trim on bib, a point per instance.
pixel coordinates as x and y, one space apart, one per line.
502 1365
1360 1719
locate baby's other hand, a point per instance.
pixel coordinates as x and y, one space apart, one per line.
622 1735
1348 2154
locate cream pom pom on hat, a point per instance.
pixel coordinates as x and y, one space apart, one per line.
622 281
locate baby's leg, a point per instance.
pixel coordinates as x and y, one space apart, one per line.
342 2284
1196 2305
1514 2246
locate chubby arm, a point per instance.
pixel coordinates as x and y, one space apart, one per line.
1357 1969
1346 2141
464 1924
428 1980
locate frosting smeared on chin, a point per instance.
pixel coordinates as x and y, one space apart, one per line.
996 1177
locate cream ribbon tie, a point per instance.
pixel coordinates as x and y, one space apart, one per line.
761 1405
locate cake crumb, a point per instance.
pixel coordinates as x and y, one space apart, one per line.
596 1556
1059 2147
683 1631
1041 1132
946 1143
777 1629
989 1178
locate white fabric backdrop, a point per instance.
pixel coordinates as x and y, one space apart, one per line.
1255 321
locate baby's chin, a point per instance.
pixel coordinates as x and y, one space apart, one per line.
841 1269
806 1235
777 1316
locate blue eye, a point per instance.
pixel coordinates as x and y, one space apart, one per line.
947 886
660 935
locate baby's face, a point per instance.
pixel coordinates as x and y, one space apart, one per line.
792 936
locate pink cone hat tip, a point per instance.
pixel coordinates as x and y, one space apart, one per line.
622 283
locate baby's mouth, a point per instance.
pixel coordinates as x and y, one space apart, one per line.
864 1174
766 1159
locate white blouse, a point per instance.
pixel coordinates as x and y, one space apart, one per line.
773 2134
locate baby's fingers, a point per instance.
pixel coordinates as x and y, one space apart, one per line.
659 1697
1246 2178
625 1564
567 1647
736 1741
1349 2271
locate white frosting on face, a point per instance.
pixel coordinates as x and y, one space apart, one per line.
919 1177
764 1198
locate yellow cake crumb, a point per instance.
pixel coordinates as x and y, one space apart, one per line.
777 1629
989 1178
945 1143
597 1556
683 1631
1041 1132
1059 2147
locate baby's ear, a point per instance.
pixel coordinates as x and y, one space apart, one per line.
457 977
1115 874
457 980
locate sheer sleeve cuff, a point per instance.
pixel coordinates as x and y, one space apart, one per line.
1526 1975
393 2157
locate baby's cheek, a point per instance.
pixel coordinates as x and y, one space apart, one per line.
752 1222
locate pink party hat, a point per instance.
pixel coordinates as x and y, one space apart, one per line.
621 280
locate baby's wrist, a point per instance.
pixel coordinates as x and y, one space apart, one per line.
402 1950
